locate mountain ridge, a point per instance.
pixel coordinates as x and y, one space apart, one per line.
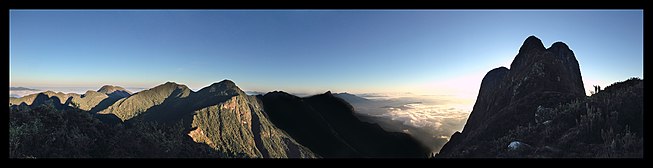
220 115
327 124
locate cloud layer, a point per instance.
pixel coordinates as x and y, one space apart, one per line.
431 120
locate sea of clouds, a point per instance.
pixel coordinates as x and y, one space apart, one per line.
431 119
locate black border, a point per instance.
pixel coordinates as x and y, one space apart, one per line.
334 4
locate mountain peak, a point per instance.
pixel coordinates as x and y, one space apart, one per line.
559 44
114 91
531 43
224 87
170 83
170 86
509 98
174 84
228 82
108 89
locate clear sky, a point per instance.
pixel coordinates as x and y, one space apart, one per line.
358 51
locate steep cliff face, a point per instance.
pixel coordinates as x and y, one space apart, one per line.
509 97
488 97
239 126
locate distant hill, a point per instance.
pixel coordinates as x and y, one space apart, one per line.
18 92
89 101
114 91
254 93
538 108
129 107
21 88
351 98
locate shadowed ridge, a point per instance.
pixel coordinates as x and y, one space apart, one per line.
327 125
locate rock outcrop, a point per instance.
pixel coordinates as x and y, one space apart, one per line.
508 98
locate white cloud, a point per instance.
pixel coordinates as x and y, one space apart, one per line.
430 119
21 93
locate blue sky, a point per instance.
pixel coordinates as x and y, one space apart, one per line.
359 51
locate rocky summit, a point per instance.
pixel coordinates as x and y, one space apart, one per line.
508 98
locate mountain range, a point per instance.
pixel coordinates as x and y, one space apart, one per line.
228 120
537 108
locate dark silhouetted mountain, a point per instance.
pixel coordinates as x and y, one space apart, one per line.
327 125
509 99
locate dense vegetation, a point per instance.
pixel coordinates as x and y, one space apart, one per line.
166 121
606 124
45 132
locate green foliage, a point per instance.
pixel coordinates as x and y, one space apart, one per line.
45 132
